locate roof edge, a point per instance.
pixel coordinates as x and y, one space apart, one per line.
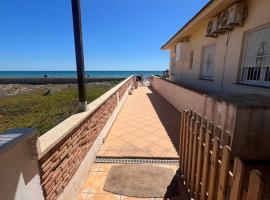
163 47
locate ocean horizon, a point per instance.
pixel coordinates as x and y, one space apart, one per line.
73 74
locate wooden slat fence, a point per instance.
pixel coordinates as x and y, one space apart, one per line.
206 163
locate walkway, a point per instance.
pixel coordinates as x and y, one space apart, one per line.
147 126
93 186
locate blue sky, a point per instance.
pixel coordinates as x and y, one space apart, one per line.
117 34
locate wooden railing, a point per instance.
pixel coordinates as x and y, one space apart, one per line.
206 163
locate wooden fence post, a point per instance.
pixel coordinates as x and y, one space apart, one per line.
226 140
199 162
205 166
187 145
184 142
255 187
224 173
238 174
190 149
194 157
213 170
181 148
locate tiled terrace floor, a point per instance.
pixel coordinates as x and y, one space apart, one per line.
93 186
147 126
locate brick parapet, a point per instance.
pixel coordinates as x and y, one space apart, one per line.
61 162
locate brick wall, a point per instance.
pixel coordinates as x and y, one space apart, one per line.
123 89
59 165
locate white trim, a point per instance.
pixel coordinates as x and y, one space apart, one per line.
250 72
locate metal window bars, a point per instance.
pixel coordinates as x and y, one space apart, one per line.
256 70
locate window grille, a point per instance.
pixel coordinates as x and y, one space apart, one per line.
208 62
255 68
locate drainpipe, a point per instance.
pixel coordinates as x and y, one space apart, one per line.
224 61
77 26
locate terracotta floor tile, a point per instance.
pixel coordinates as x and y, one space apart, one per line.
82 196
111 137
116 142
124 149
106 147
151 138
111 153
119 132
169 155
103 153
103 197
140 143
146 118
140 153
150 129
89 182
160 134
134 198
140 133
166 137
166 145
105 167
129 137
130 128
154 150
95 167
174 167
173 150
100 179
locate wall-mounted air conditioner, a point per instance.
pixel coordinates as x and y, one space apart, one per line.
212 28
232 17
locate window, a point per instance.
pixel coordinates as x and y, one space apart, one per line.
255 65
178 51
191 59
208 62
173 70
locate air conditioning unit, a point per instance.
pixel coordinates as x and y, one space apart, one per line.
232 17
212 28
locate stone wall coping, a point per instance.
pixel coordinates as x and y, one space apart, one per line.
243 101
191 89
11 137
52 137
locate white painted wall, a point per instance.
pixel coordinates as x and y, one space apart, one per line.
220 112
258 15
19 172
248 125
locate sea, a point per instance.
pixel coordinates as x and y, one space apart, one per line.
73 74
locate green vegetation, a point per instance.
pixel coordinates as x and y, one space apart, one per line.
44 112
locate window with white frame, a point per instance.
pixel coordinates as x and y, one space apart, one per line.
255 65
208 62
